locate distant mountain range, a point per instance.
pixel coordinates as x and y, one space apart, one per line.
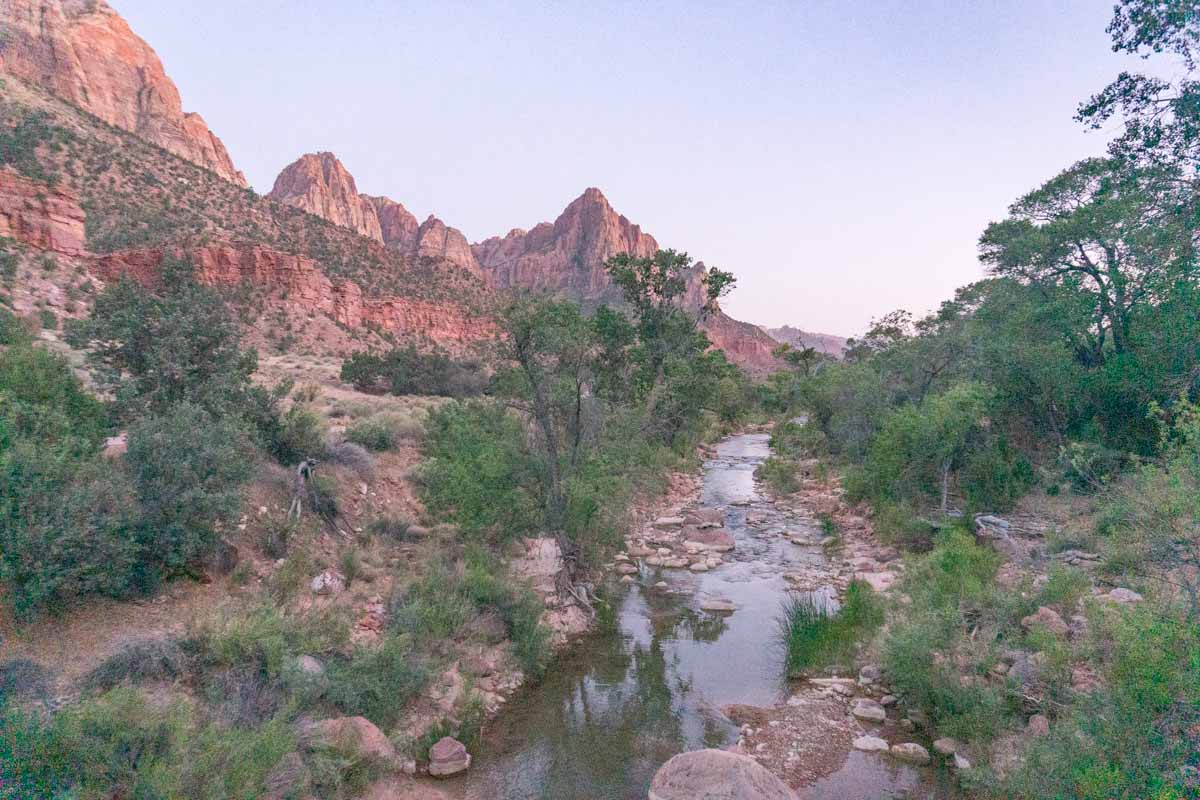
388 274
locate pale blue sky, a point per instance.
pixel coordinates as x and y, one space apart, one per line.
841 158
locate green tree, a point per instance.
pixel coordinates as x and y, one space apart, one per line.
179 343
1115 238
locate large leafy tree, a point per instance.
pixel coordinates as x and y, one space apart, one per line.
669 298
1117 238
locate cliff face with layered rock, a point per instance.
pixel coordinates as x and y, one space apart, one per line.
319 184
84 52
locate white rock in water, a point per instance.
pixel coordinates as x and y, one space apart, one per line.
716 775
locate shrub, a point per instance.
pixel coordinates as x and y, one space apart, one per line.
1064 588
138 660
373 433
477 471
188 469
301 435
388 527
778 474
408 371
348 454
20 677
433 608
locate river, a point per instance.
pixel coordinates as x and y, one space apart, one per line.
651 682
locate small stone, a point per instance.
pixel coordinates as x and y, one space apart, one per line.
888 700
625 568
946 746
328 582
1122 595
309 665
1046 618
699 566
448 757
717 604
911 752
961 761
626 579
1038 725
870 744
665 523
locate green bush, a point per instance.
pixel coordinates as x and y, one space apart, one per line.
188 469
408 371
373 433
301 435
477 471
778 474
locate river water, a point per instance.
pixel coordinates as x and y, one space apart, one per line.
650 683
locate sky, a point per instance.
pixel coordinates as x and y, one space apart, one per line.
840 158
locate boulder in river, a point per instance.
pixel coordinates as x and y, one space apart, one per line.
870 744
911 752
716 775
867 709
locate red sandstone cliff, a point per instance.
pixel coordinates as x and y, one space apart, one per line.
821 342
568 255
319 184
84 52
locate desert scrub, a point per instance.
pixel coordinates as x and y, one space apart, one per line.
816 638
377 682
779 474
378 432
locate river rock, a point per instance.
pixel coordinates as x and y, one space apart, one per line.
717 604
867 709
870 744
706 518
716 775
961 761
699 566
625 568
668 523
911 752
448 757
717 539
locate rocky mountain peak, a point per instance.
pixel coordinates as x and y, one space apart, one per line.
320 184
84 52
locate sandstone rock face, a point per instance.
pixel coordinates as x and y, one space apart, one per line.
84 52
41 216
299 278
319 184
716 775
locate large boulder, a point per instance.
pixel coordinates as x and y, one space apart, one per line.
717 539
448 757
355 735
716 775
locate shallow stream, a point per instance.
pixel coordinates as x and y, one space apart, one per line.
652 681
